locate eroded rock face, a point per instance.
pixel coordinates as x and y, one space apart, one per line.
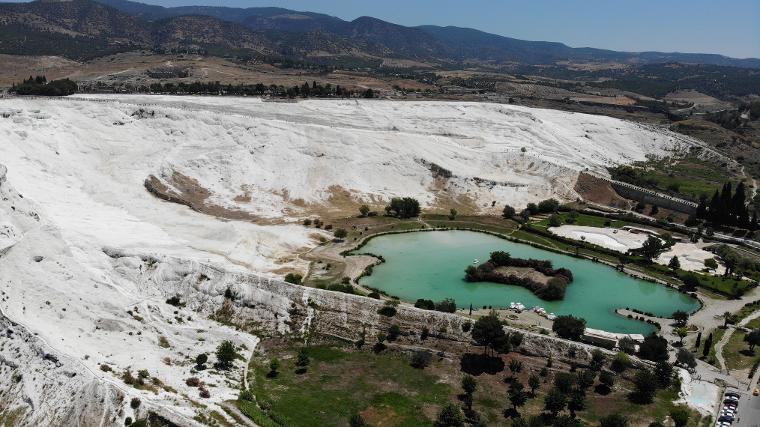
40 387
262 305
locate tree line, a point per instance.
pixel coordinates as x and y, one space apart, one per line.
315 90
727 207
40 86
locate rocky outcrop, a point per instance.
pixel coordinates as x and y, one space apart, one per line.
263 306
41 387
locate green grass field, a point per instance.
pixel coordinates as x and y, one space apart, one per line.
736 351
688 177
385 389
585 220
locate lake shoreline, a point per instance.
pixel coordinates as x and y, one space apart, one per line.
365 241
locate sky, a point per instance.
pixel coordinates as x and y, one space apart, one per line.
728 27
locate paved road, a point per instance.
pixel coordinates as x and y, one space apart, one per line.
748 414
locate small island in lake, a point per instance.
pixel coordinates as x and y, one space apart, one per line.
539 276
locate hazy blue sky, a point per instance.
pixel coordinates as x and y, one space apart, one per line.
729 27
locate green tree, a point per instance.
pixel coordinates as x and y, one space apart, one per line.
363 210
452 214
708 345
534 382
406 207
564 382
620 362
613 420
674 263
548 205
488 332
686 358
644 387
569 327
274 368
586 378
680 416
681 317
711 264
607 379
340 233
651 247
752 339
515 366
576 403
303 358
682 332
597 359
469 385
225 354
555 220
555 401
357 421
663 372
450 416
517 395
508 211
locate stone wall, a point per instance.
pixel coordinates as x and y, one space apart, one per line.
645 195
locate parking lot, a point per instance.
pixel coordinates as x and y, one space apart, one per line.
748 413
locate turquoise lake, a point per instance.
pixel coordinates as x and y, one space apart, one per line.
431 265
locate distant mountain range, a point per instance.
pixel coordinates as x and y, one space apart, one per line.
82 29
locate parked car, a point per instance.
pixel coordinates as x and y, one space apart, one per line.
728 418
733 394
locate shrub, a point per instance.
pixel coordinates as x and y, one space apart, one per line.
105 368
620 362
363 210
450 416
134 403
274 367
466 326
387 311
225 354
393 332
448 305
357 421
175 301
425 304
294 278
421 359
555 220
340 233
193 382
508 212
246 395
201 359
204 393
